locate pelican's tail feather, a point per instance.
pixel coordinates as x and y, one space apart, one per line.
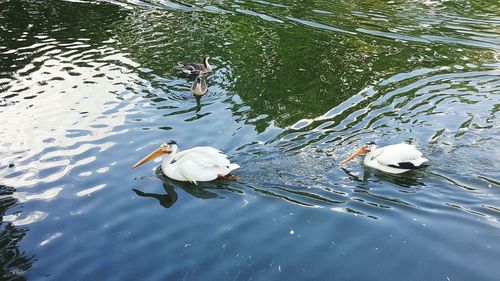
233 166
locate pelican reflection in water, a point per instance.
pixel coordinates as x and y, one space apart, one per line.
170 196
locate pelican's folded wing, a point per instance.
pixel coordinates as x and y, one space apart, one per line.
196 171
402 156
207 152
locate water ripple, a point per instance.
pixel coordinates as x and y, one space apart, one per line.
260 15
296 87
319 25
363 20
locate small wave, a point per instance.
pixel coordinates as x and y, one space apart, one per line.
260 15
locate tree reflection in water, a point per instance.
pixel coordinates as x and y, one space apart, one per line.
14 263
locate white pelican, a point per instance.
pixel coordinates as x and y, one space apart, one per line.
394 159
200 163
196 68
199 87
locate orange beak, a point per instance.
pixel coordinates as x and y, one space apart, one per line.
160 151
360 151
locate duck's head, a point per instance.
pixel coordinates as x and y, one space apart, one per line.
199 79
364 149
166 148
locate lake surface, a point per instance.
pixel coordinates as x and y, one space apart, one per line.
87 88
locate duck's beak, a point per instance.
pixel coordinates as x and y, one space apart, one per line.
160 151
360 151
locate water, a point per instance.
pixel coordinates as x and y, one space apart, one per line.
88 88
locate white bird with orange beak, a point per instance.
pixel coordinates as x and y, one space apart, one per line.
201 163
393 159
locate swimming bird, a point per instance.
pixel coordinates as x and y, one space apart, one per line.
199 86
196 68
394 159
202 163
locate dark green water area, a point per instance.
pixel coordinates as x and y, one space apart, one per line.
87 88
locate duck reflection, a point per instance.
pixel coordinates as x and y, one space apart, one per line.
201 190
198 103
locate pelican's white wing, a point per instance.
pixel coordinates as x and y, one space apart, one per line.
203 164
400 155
202 151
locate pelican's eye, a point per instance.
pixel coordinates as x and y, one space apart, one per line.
164 147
